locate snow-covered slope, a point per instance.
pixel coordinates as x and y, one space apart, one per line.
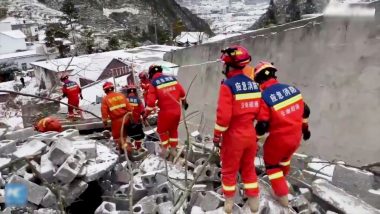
227 15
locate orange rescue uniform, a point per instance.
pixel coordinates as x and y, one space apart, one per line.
114 106
48 124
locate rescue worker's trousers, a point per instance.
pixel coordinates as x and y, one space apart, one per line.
167 128
238 155
54 125
116 125
277 155
73 102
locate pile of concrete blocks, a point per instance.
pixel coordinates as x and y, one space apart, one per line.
55 159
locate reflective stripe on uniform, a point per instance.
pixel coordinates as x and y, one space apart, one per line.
165 142
118 106
287 102
251 185
220 128
276 175
228 188
286 163
134 104
167 84
248 96
70 87
173 139
149 108
43 122
305 120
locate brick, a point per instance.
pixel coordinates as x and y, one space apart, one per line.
88 147
70 168
68 134
106 208
73 190
7 147
36 192
152 179
60 151
49 200
30 148
47 168
46 137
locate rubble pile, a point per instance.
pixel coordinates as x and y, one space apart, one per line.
65 164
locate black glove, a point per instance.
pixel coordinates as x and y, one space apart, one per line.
217 140
81 97
185 105
306 134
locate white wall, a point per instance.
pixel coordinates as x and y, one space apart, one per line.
10 45
5 26
27 60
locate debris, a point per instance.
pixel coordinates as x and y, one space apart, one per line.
340 199
60 151
7 147
36 192
29 149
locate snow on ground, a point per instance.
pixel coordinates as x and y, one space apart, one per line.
107 12
343 8
324 168
376 192
225 17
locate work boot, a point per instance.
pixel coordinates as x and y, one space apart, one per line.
172 154
253 203
229 205
283 200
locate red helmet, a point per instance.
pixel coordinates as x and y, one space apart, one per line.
264 66
153 69
108 85
143 75
64 77
236 56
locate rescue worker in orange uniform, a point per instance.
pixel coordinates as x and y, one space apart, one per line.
73 92
48 124
114 107
170 96
249 71
134 127
238 106
144 84
285 118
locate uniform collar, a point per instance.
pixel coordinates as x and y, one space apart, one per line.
268 83
233 73
156 75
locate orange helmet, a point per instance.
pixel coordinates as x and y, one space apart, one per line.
269 69
108 85
64 77
143 75
236 56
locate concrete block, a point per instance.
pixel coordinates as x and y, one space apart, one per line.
82 172
149 204
21 134
4 161
60 151
73 190
300 204
47 168
70 168
121 201
46 137
165 207
138 191
152 179
306 193
68 134
25 172
106 208
88 147
105 161
49 200
121 174
300 161
197 154
196 210
36 192
152 163
150 146
357 183
45 211
340 199
29 149
211 201
7 147
208 173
